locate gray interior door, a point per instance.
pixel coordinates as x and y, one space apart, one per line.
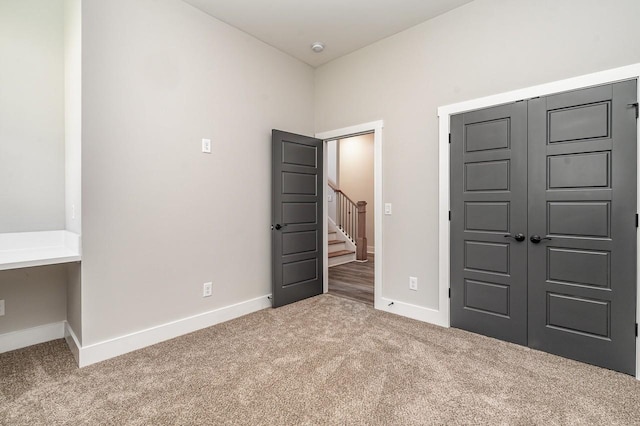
582 203
560 170
489 222
297 227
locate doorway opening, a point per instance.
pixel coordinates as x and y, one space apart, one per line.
350 221
352 200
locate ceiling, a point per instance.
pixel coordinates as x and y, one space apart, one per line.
342 25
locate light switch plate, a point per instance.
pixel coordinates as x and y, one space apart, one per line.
206 146
387 208
413 283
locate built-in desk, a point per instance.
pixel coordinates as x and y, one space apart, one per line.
27 249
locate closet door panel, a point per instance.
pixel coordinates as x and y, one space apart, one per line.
488 193
582 206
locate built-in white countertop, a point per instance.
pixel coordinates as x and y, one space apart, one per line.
27 249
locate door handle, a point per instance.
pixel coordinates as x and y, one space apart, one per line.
519 237
279 227
535 239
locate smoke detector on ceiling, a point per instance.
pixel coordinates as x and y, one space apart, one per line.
317 47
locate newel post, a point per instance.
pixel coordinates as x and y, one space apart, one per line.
361 238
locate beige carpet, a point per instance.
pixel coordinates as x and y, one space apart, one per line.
325 360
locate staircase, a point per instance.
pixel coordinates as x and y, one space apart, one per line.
347 234
341 250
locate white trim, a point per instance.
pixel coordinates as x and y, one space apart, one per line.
444 113
420 313
375 127
28 249
107 349
31 336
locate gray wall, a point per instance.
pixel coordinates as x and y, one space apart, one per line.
483 48
31 115
159 217
357 176
74 299
33 297
73 113
32 184
73 150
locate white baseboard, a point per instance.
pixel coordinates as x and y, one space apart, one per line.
419 313
31 336
102 351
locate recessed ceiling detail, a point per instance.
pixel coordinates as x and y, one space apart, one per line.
343 25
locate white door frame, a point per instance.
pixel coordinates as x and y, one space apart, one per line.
374 127
444 114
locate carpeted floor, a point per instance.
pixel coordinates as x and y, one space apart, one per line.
325 360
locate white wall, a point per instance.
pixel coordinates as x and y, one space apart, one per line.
482 48
356 176
73 150
32 181
159 217
31 115
33 297
332 175
73 113
332 163
74 299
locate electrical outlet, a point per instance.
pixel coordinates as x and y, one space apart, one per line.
207 289
1 308
413 283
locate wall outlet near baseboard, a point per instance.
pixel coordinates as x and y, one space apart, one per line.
207 289
1 308
413 283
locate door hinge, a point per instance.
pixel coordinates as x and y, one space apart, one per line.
449 215
636 329
450 298
449 137
636 220
635 105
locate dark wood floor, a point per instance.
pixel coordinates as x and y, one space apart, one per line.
353 281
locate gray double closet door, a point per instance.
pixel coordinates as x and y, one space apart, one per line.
543 224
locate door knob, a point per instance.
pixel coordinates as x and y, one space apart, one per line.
535 239
518 237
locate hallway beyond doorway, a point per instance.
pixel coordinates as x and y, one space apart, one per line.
353 280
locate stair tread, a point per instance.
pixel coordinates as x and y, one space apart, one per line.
335 242
340 253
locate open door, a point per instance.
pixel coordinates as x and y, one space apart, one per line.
297 228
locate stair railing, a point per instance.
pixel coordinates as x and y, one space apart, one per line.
351 218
